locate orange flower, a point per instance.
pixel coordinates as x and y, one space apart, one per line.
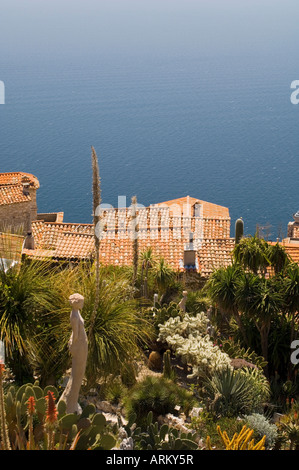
31 405
52 412
2 367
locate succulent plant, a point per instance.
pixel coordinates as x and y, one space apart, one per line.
89 429
164 437
239 229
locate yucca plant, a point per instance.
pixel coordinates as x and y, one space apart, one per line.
262 300
222 289
27 294
118 330
164 276
252 253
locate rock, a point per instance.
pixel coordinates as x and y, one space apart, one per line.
127 444
238 363
105 406
195 412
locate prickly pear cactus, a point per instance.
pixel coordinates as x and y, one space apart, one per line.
94 433
163 438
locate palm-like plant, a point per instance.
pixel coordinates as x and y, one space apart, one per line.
290 286
163 275
147 262
27 294
278 258
221 288
252 253
262 300
118 329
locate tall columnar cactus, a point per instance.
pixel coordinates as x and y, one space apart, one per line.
239 230
168 371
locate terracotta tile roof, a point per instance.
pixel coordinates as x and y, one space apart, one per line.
13 194
214 254
189 204
292 249
12 187
19 178
62 240
166 233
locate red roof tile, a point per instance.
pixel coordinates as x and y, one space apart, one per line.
157 227
12 187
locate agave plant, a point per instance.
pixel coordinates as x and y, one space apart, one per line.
229 392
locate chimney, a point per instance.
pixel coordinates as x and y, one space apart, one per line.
190 252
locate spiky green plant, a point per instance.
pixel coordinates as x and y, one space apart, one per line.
28 293
163 275
228 392
252 253
222 289
118 330
159 395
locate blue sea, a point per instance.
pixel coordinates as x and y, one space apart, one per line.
178 98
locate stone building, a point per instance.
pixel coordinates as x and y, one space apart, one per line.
18 207
190 234
293 228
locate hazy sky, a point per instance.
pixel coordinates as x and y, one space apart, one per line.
55 27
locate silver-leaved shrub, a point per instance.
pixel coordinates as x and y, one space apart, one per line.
187 337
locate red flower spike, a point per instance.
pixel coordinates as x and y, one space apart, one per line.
52 412
31 405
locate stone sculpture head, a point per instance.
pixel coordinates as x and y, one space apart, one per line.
76 301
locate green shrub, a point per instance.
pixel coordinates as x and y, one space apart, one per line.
159 395
261 426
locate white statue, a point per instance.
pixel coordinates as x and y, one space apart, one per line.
182 303
78 347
